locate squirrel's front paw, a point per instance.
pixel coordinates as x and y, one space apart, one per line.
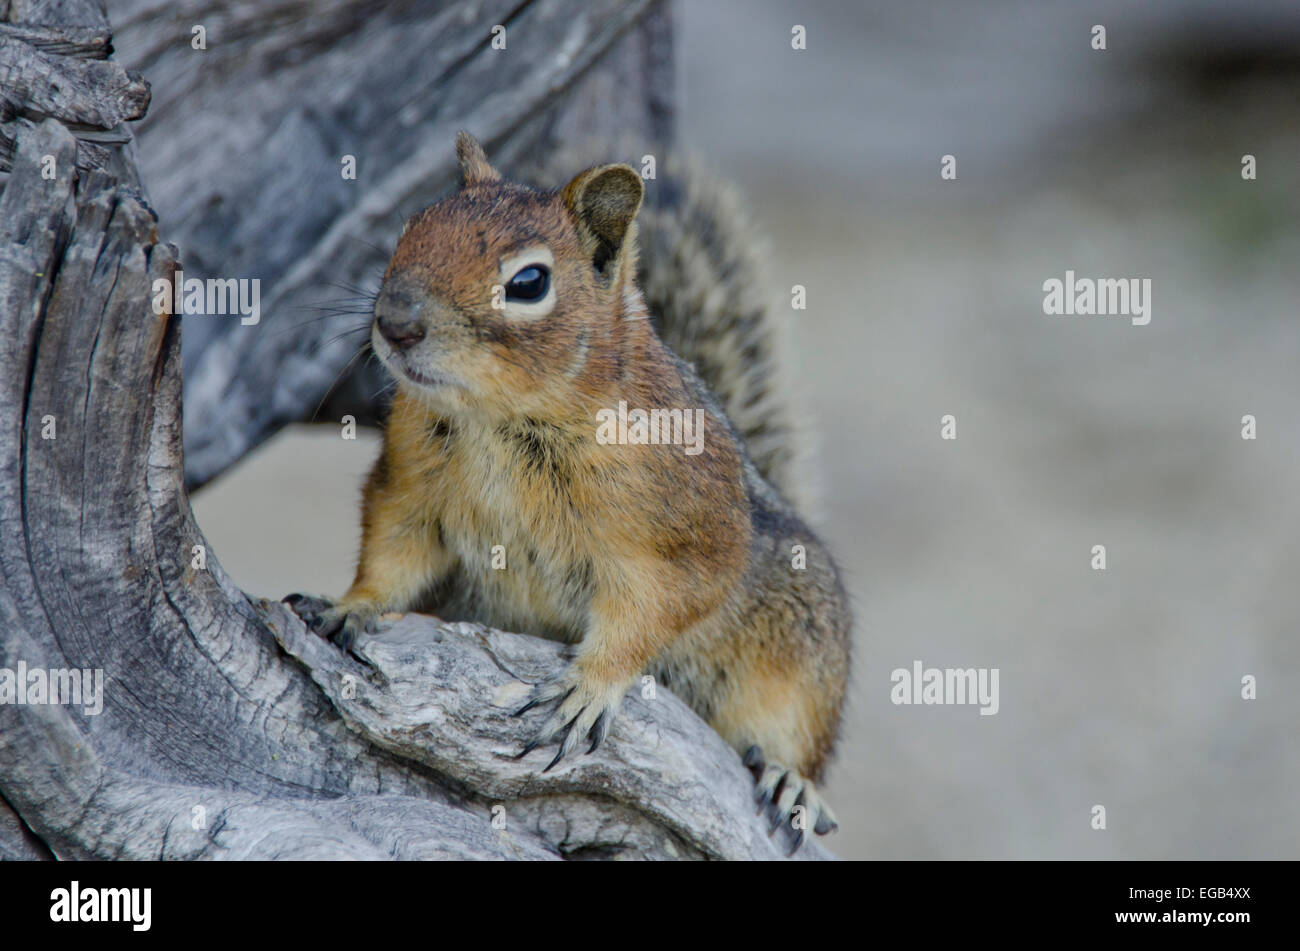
781 791
339 621
586 709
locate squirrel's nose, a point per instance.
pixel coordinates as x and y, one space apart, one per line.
403 332
397 314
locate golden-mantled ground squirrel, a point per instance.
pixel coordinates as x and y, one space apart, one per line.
537 410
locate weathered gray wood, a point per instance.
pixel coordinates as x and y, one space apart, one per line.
85 42
58 13
89 92
17 842
441 695
227 731
41 76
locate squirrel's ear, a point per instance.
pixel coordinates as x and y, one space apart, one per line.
604 201
474 167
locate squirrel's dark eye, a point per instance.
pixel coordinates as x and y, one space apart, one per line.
529 284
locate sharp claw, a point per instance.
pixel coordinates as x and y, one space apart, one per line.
599 730
798 843
765 796
527 749
564 737
782 813
291 599
776 824
525 708
539 698
753 757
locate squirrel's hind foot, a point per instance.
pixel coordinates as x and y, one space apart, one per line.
788 799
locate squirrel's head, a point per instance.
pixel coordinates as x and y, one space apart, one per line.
505 298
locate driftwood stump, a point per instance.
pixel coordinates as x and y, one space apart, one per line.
228 731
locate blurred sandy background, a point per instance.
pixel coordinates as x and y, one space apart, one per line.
1121 687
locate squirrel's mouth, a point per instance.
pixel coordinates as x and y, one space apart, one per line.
400 366
427 380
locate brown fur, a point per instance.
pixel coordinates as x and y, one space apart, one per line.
649 558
